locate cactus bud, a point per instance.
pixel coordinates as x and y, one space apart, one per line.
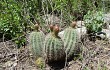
56 30
51 27
73 24
36 27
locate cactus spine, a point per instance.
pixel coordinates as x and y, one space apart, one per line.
54 47
70 39
36 41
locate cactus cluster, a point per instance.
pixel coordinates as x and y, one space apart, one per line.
52 46
36 41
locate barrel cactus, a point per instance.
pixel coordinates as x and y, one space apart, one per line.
71 41
36 41
54 47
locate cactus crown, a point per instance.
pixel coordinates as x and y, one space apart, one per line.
73 24
51 27
36 26
56 30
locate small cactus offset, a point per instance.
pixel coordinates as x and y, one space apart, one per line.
70 39
40 63
54 47
36 41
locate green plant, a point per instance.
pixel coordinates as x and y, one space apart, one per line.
70 38
54 47
40 63
20 41
36 41
94 21
11 22
9 19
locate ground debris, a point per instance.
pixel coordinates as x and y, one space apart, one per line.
95 56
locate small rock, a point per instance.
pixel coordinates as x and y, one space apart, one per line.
60 34
107 33
8 64
109 27
80 24
101 35
107 18
80 31
15 64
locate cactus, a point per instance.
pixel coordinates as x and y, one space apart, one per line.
40 63
54 47
36 41
71 40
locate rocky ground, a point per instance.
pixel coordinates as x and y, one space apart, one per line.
95 56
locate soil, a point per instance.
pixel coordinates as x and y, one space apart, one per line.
95 56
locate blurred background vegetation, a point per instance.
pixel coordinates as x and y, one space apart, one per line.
18 16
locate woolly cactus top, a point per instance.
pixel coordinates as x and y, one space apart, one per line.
73 24
56 30
36 26
51 27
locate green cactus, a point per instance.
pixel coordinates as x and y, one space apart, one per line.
71 42
54 47
36 41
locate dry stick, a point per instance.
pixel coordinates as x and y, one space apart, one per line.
45 11
66 60
16 56
44 59
5 44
